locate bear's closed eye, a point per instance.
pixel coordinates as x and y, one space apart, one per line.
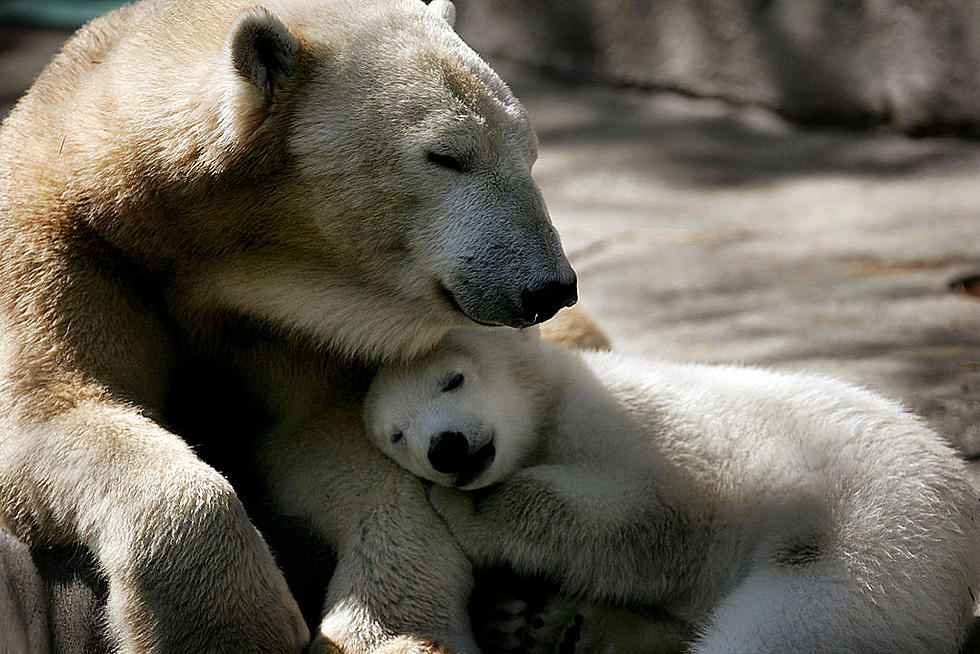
445 161
453 382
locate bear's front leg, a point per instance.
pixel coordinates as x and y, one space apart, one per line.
401 584
187 571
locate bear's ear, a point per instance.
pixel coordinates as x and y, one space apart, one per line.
445 10
263 50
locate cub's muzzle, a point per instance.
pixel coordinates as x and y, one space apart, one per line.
449 453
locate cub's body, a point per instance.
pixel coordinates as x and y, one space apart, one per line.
771 512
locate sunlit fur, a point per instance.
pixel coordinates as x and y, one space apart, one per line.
772 512
247 185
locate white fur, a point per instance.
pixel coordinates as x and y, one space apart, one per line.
773 512
291 191
445 10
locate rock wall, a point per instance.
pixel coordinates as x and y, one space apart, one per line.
912 64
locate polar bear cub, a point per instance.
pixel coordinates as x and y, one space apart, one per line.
771 512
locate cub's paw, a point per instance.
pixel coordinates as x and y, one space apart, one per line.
510 625
514 615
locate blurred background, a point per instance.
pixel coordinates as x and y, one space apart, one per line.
793 184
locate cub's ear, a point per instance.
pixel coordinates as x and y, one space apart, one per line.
263 50
445 10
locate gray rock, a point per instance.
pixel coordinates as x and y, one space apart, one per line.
907 63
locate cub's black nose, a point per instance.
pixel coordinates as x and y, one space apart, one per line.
448 451
541 301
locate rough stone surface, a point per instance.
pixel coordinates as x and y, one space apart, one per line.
904 62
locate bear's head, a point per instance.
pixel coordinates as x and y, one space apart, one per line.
346 169
467 414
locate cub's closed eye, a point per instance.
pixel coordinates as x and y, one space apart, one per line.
395 437
453 382
445 161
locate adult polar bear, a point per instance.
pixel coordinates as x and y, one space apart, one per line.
290 193
773 513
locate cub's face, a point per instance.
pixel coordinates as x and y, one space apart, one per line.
460 416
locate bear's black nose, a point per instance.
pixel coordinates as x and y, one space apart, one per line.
543 300
448 451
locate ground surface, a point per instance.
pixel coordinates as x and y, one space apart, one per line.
710 232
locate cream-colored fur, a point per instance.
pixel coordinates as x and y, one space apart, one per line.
574 328
771 512
291 193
